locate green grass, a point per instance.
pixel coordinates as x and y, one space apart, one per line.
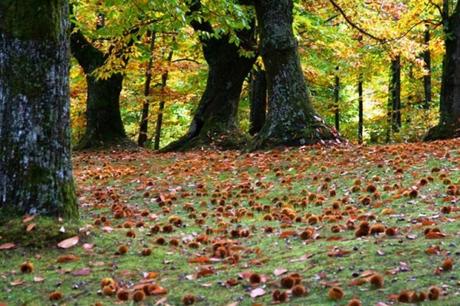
237 191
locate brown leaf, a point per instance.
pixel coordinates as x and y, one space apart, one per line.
82 272
279 271
27 219
68 243
287 234
17 282
30 227
7 246
67 258
200 260
257 292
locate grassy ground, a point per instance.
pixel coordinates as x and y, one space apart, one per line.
216 221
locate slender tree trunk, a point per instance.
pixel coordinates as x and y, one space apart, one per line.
337 100
257 100
291 119
395 94
215 121
103 119
144 125
449 124
164 82
427 78
35 158
360 109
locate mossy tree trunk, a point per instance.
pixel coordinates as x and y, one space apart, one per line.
291 119
449 123
257 100
104 126
215 121
35 158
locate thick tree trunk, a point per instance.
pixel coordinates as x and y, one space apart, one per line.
449 125
35 159
427 78
360 109
144 125
215 121
104 126
257 100
164 82
291 119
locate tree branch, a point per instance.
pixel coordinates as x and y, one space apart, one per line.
354 25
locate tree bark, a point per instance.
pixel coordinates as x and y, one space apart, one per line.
35 158
257 100
104 126
164 82
449 123
394 99
337 100
360 109
291 119
144 125
215 121
427 84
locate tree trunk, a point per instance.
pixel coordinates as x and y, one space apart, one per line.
360 109
427 78
144 125
215 121
35 158
291 119
104 126
394 101
449 124
257 100
337 100
164 82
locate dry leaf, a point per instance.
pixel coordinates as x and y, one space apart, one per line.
257 292
7 246
68 243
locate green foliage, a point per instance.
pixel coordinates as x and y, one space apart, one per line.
326 41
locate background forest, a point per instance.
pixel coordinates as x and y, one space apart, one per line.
391 49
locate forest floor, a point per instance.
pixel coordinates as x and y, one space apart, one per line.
231 228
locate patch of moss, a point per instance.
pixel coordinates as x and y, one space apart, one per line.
46 231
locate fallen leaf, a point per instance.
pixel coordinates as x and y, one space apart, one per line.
38 279
279 271
17 282
30 227
68 243
82 272
257 292
7 246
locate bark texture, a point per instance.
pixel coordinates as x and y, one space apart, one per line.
394 99
360 109
104 126
35 158
427 83
257 100
144 125
337 100
449 124
291 119
215 121
164 82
